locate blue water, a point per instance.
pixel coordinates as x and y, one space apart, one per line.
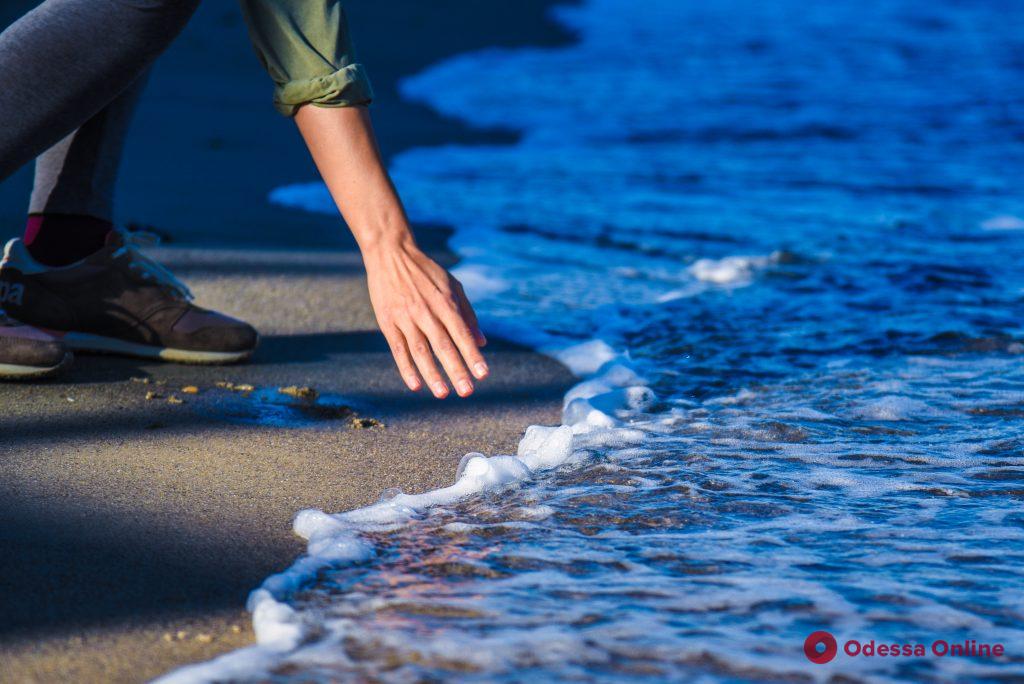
802 224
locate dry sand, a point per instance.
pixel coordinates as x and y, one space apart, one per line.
131 529
126 521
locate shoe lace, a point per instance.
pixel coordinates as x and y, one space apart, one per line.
147 268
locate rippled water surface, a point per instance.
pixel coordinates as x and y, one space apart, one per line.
801 224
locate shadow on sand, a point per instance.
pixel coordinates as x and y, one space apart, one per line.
68 563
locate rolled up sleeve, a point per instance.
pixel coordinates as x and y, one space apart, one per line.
305 47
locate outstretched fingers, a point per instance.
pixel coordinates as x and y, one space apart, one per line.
403 358
448 354
463 331
430 325
423 357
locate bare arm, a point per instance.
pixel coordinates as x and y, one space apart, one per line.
422 310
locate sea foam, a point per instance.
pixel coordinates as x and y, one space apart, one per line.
613 389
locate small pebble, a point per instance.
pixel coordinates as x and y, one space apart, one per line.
233 387
182 634
307 393
141 381
150 396
204 638
190 389
174 400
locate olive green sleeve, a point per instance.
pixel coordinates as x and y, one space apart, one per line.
305 47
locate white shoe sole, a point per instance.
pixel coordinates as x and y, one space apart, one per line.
10 371
108 345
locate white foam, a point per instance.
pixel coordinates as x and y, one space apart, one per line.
585 358
337 540
480 281
545 447
892 408
731 270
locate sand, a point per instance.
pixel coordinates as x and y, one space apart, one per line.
132 529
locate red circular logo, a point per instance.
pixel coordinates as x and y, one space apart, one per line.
820 647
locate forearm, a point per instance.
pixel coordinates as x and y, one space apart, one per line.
422 310
345 150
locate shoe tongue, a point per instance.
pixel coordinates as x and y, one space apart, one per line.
111 243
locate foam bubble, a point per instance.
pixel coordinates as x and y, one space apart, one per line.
586 358
277 626
732 270
545 447
892 408
480 281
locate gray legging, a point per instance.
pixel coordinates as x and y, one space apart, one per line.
70 74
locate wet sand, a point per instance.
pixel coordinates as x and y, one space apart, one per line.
134 528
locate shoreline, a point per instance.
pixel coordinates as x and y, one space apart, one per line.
137 528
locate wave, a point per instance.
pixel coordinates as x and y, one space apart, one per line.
792 296
594 414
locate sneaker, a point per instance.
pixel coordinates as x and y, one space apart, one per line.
27 353
120 301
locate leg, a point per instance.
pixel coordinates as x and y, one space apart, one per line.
71 210
66 60
115 299
78 174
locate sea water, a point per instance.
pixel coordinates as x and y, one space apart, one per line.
782 244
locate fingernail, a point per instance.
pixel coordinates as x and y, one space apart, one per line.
480 369
440 390
465 387
413 382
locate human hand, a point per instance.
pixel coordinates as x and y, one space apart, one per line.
423 312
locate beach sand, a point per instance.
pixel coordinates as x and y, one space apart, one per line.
133 528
